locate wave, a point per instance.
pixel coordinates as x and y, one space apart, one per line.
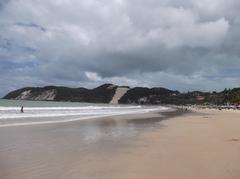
11 116
3 108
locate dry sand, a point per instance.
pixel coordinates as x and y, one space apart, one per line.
120 91
200 145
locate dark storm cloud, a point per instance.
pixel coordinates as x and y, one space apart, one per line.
178 44
3 3
31 25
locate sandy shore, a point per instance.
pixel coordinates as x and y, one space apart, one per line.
203 144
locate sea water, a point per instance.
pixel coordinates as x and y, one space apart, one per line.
43 112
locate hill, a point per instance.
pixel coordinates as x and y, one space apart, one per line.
110 93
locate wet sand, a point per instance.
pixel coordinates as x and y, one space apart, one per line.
81 149
202 144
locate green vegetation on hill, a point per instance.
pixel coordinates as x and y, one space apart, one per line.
138 95
101 94
228 96
165 96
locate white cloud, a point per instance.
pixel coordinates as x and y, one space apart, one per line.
92 41
93 76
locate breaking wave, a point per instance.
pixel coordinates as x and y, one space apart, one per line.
11 115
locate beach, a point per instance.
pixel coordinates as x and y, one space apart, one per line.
202 143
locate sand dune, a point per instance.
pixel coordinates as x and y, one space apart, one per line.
120 91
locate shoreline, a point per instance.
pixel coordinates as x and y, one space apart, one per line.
53 150
199 143
76 119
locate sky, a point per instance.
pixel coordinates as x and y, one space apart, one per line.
178 44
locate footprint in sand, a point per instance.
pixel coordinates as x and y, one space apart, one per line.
234 140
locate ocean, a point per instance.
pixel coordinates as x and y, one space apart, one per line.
44 112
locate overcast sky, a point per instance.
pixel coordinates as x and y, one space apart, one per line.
178 44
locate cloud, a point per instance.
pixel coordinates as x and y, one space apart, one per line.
3 3
88 42
31 25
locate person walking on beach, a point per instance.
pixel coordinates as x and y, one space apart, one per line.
22 110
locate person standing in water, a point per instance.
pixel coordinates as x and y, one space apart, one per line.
22 110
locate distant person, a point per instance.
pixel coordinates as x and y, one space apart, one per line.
22 110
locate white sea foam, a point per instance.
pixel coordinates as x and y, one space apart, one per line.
11 116
3 108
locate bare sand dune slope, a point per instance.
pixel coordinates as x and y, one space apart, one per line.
120 91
